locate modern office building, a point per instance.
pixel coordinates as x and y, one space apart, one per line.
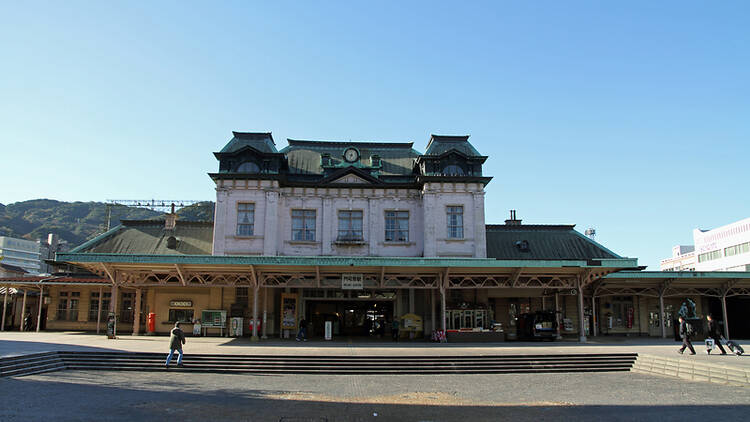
20 253
726 248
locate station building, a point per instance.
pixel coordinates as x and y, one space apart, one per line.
358 234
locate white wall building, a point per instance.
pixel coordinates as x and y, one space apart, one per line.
317 198
20 253
683 259
725 248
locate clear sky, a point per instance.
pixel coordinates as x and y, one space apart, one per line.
629 117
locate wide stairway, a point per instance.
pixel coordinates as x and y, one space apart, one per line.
330 365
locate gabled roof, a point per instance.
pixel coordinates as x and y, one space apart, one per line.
151 237
440 144
560 242
260 141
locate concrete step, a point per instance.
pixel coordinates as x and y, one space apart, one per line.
340 365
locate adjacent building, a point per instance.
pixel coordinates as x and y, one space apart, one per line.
725 248
20 253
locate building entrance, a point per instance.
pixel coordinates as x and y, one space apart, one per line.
365 318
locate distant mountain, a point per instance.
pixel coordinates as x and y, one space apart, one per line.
76 222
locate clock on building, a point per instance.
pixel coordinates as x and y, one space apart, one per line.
351 155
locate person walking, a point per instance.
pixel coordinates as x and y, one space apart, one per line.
713 333
302 333
394 329
176 340
685 332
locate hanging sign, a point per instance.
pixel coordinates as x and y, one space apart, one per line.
181 303
352 282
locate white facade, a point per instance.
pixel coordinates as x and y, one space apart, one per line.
683 259
21 253
726 248
427 210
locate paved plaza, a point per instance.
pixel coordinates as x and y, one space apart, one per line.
156 396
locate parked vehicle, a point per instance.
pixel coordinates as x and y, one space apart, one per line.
540 325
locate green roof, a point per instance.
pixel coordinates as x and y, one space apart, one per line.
440 144
338 261
304 157
151 237
261 141
543 242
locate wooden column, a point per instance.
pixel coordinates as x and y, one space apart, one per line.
581 322
39 314
432 310
99 314
264 322
442 310
23 310
593 316
113 306
557 314
137 313
724 312
256 291
5 307
662 318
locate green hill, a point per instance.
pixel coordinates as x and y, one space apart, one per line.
77 222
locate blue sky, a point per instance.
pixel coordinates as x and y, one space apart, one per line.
630 117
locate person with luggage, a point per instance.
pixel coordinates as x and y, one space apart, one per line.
713 334
685 332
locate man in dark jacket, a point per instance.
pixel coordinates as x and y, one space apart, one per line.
685 337
176 340
713 333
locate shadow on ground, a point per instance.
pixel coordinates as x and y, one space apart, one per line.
163 400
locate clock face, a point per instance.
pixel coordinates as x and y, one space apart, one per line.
351 155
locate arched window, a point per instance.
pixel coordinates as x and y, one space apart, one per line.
453 170
248 167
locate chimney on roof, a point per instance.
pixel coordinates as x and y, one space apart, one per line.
171 220
512 221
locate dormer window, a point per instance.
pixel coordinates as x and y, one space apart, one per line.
453 170
375 161
325 160
248 167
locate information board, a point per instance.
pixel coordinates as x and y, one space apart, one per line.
214 318
352 282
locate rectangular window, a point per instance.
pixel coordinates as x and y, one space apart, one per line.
456 222
350 226
241 294
737 249
397 226
303 225
67 309
181 315
94 306
709 256
245 219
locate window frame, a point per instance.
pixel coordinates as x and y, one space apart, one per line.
250 209
395 228
353 234
455 231
307 234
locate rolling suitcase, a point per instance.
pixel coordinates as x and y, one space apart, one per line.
734 347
